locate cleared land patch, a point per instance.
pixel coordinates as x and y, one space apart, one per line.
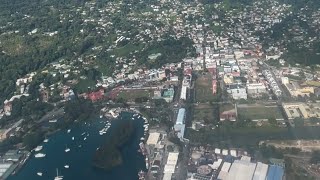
204 89
131 95
260 112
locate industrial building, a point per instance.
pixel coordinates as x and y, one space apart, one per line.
186 83
180 126
181 116
153 138
170 166
4 167
183 95
241 170
275 173
180 129
261 171
224 171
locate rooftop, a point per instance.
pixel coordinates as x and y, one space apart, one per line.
153 138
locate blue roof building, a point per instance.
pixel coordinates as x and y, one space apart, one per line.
181 115
275 173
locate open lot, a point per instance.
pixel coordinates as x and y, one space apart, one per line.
203 87
258 112
131 95
84 84
203 114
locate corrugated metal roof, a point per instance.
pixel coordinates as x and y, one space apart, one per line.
226 166
260 172
153 138
180 117
172 158
167 176
169 168
222 175
183 94
275 173
179 128
241 170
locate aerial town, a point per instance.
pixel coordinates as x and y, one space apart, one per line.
214 83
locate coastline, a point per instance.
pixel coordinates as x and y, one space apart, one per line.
82 125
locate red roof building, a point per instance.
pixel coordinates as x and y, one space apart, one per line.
95 96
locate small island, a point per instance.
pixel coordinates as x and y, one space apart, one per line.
109 155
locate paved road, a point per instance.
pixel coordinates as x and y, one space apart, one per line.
54 114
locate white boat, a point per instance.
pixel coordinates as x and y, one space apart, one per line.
142 139
39 155
80 146
53 121
83 134
39 173
101 116
38 148
67 149
85 138
69 130
72 138
58 177
46 140
66 166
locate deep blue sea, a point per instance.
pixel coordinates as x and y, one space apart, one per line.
81 154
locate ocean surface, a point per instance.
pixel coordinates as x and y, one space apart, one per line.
79 158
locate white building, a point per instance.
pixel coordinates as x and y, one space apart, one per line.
238 92
256 89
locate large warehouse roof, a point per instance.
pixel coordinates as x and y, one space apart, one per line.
241 170
183 94
153 138
167 176
275 173
261 171
172 158
180 128
181 114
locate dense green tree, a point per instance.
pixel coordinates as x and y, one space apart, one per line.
78 109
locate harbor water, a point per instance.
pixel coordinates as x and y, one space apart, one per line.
82 149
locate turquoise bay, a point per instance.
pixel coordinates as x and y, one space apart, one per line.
86 141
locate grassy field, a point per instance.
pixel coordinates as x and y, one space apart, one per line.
203 114
259 112
83 85
127 49
203 87
131 95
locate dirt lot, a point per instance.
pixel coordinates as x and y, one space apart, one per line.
304 145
